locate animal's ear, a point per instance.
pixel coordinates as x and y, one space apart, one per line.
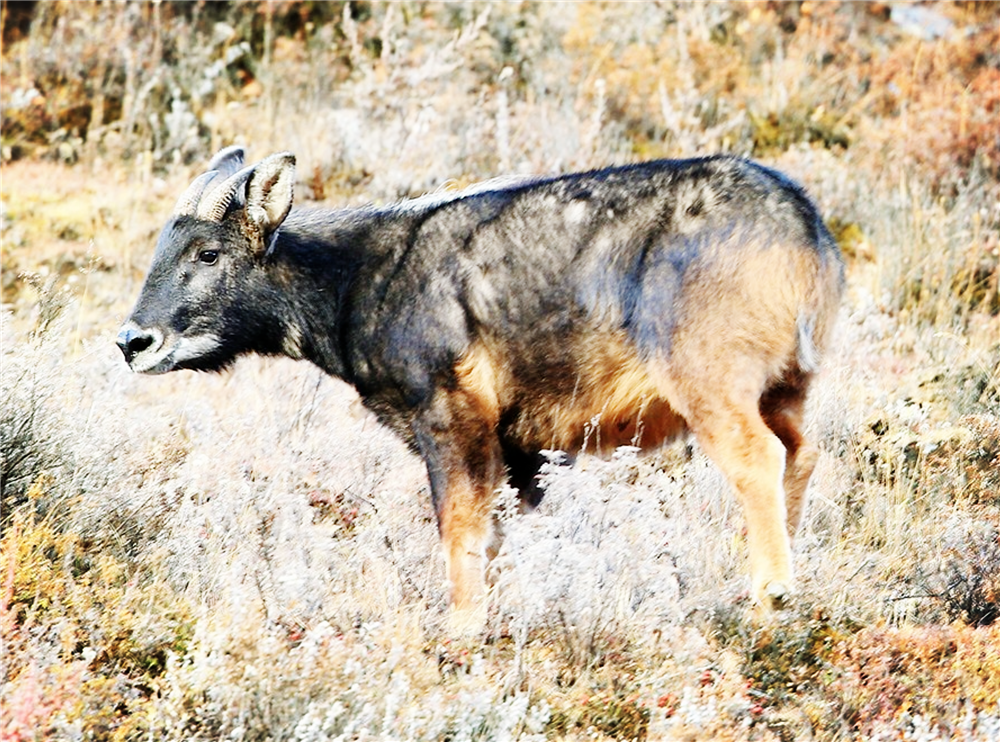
269 193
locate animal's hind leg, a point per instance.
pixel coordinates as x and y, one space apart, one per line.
752 457
781 408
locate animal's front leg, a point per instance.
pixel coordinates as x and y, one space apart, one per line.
458 442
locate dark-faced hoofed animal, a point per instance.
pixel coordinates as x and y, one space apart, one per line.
488 325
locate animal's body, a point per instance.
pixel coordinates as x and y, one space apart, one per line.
488 325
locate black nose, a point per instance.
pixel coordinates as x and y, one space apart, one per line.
132 341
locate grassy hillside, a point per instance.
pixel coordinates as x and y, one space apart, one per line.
249 556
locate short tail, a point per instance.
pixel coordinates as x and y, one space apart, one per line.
819 310
808 353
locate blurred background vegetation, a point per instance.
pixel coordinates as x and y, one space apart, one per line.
164 80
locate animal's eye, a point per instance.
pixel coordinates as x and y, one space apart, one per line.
208 257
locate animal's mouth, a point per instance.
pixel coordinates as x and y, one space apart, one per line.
143 349
149 351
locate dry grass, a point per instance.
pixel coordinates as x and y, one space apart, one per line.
251 557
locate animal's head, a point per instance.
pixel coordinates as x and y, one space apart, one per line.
208 296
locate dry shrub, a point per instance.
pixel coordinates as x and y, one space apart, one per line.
144 78
940 440
942 103
960 576
86 628
85 635
939 673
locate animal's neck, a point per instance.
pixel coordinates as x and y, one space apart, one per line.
314 260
